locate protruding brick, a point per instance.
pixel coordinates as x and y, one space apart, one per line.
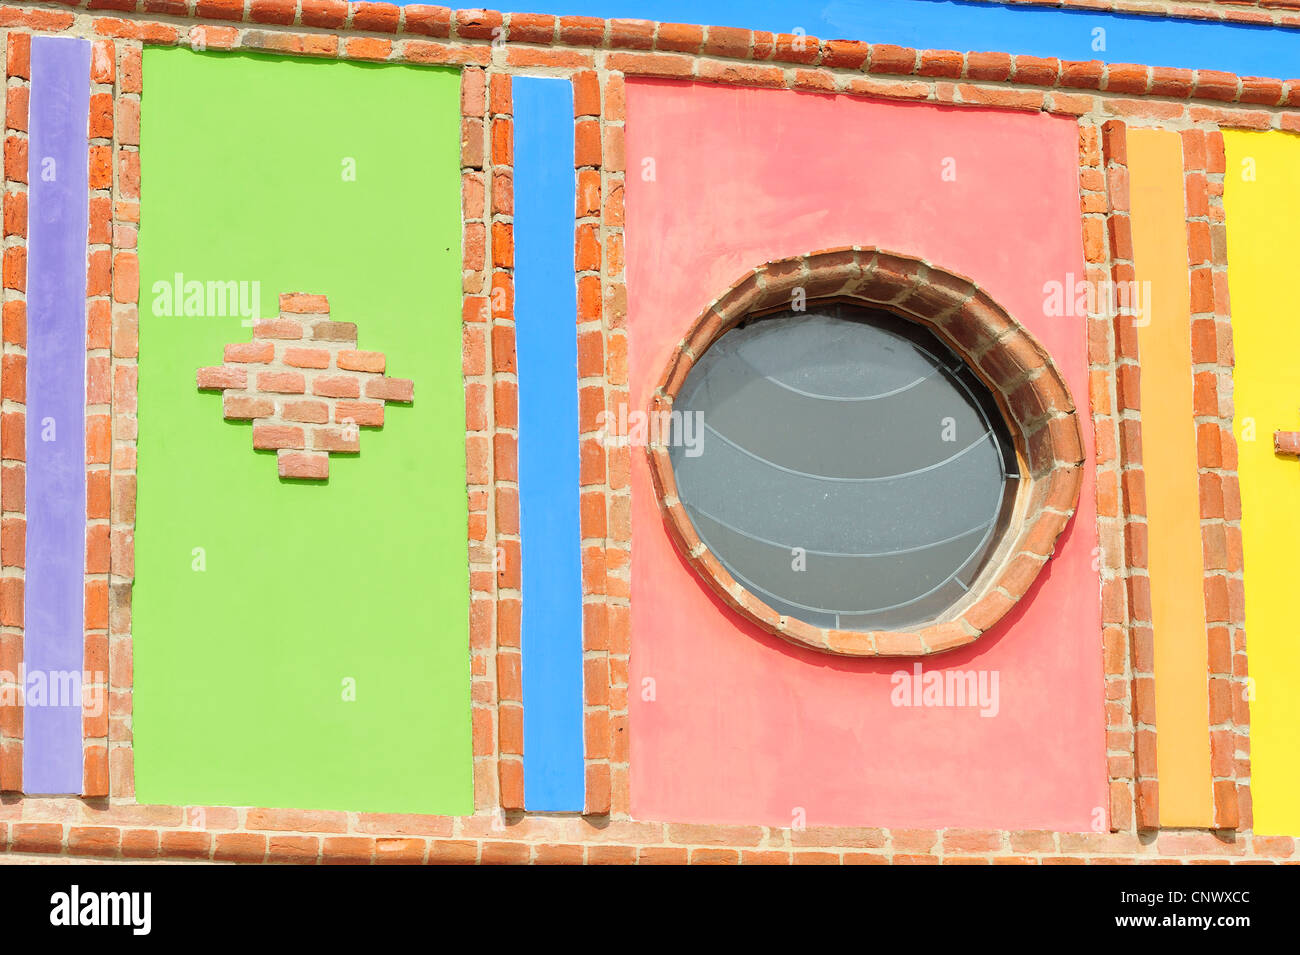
365 414
304 465
334 332
285 328
369 361
241 407
273 437
340 440
391 389
220 378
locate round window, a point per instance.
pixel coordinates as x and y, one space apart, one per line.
849 469
864 454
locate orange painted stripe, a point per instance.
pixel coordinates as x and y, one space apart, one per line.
1169 459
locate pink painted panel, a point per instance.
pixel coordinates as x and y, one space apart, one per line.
743 727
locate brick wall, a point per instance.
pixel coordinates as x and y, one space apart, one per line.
13 422
1212 364
1127 638
122 59
597 55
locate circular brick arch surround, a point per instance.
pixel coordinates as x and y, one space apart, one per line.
1029 390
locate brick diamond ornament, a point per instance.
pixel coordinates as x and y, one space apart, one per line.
305 386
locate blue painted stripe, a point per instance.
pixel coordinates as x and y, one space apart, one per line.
58 178
546 347
1245 49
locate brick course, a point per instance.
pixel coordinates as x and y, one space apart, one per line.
1212 363
13 452
1129 654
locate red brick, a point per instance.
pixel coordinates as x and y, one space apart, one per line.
240 847
334 332
1169 81
1127 78
348 850
1261 90
680 37
400 851
390 389
324 13
272 11
502 853
15 213
478 24
365 414
94 840
996 96
185 844
210 379
37 837
298 850
16 163
988 66
499 94
307 411
532 28
1038 71
303 465
279 328
375 17
301 303
582 31
249 352
1082 74
940 63
19 55
336 386
795 48
16 108
627 34
307 357
342 441
1214 84
367 48
558 855
282 382
714 857
428 20
271 437
220 9
140 843
887 58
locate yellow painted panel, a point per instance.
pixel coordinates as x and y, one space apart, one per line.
1262 200
1173 488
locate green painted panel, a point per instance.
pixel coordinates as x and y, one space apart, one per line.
240 668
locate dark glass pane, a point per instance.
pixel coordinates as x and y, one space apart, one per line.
845 466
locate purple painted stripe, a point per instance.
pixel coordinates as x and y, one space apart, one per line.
58 206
